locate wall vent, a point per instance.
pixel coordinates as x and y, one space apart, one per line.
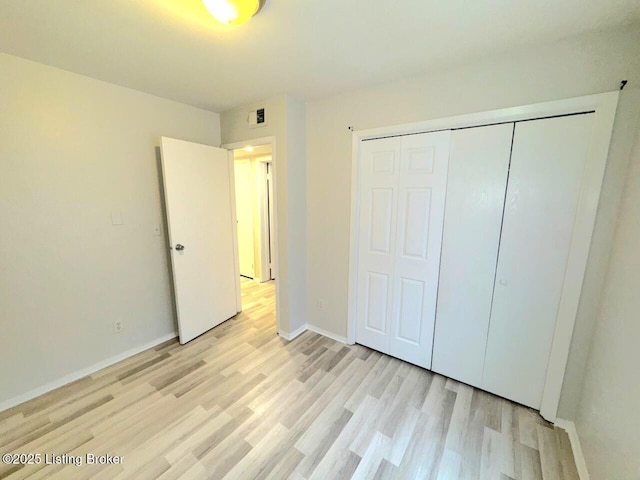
257 118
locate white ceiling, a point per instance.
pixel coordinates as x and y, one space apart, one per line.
258 151
309 48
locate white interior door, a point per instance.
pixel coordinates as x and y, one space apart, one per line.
197 184
545 179
271 206
476 188
402 196
265 216
245 183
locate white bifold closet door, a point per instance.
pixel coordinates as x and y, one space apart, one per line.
512 197
478 169
402 198
547 166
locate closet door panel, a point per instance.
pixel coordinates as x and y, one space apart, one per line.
421 198
547 166
379 168
476 186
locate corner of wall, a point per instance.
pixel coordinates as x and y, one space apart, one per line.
297 210
607 409
286 122
622 141
581 465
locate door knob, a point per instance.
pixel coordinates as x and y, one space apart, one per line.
179 247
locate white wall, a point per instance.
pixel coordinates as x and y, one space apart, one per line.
580 66
297 211
286 122
622 141
608 420
73 150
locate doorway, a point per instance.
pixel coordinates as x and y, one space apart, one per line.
255 216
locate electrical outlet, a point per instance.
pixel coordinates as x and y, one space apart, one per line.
320 305
117 326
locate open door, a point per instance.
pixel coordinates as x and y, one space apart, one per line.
197 184
271 222
245 184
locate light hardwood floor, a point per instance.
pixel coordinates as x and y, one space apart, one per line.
240 402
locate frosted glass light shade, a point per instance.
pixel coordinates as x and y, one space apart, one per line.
233 12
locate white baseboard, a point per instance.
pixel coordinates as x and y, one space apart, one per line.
570 427
72 377
313 328
291 335
327 333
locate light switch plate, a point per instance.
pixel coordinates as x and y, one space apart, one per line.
116 217
157 230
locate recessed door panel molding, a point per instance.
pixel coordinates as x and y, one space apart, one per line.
402 194
411 300
420 159
383 162
415 230
377 294
380 229
477 182
547 166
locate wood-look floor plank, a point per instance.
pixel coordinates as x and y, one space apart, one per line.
459 419
386 470
284 465
531 469
549 453
376 418
449 465
317 451
254 462
187 467
403 435
240 402
375 453
569 469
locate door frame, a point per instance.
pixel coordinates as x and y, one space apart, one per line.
266 243
603 106
256 142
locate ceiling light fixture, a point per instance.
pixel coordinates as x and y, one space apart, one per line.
233 12
248 149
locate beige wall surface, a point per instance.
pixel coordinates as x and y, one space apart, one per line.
73 151
581 66
286 122
608 420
